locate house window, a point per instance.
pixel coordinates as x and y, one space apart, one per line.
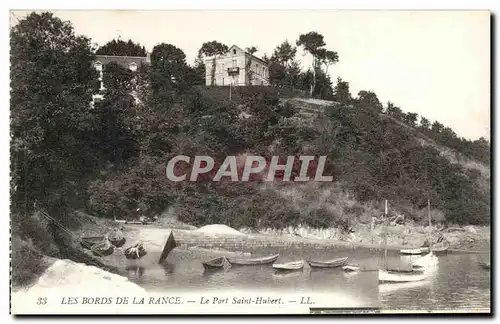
234 52
235 63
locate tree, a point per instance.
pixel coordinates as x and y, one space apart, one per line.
168 69
52 82
251 50
122 48
424 123
341 92
327 58
411 119
368 100
212 49
312 42
437 127
284 54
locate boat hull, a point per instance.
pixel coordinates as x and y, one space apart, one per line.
387 277
285 267
215 264
328 264
414 251
257 261
485 265
350 268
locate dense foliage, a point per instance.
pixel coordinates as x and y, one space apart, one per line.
121 48
111 159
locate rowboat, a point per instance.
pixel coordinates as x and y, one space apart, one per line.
116 237
215 264
255 261
416 251
88 241
440 249
485 265
104 248
328 264
289 266
385 276
350 268
135 251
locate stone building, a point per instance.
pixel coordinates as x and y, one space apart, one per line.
237 68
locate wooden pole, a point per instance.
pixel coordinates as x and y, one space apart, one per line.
385 236
429 212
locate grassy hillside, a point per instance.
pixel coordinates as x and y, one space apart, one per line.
372 157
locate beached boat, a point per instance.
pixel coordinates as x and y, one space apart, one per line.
135 251
351 268
255 261
289 266
88 241
216 264
103 248
328 264
485 265
116 237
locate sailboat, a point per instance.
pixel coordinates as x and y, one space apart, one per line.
429 262
387 276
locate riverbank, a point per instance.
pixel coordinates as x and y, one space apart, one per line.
219 240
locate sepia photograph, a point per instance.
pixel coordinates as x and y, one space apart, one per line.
250 162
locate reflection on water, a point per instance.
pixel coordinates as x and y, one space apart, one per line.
458 283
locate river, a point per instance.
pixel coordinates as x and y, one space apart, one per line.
459 283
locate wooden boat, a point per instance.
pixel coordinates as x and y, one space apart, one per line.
289 266
328 264
385 276
135 251
88 241
485 265
216 264
351 268
416 251
116 237
104 248
440 249
255 261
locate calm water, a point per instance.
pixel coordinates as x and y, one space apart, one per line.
459 283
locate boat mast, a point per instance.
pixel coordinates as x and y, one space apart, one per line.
430 222
385 236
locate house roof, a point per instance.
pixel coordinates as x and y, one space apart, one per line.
251 55
124 61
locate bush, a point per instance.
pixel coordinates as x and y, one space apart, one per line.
27 264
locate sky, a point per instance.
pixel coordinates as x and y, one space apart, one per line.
434 63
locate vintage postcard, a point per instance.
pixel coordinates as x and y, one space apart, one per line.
250 162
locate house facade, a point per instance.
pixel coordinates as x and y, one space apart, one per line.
129 62
236 68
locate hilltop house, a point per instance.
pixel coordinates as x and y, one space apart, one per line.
237 68
128 62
